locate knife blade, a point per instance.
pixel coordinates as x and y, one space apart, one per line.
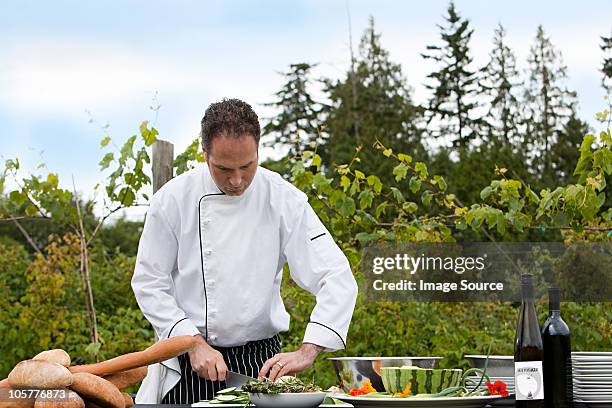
234 379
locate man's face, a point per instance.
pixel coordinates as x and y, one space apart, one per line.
232 163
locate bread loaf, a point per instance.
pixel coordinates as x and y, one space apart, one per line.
98 390
39 374
58 356
8 399
129 401
125 379
68 400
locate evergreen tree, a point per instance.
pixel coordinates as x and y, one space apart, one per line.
606 69
372 103
452 107
566 150
299 120
500 80
548 104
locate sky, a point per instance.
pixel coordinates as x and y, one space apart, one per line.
69 68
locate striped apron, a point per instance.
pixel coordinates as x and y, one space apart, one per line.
247 359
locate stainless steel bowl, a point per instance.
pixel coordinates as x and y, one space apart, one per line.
351 371
499 366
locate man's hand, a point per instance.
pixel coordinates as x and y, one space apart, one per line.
207 362
290 363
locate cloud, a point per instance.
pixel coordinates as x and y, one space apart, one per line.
51 77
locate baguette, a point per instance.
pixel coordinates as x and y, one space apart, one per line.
39 374
98 390
70 400
125 379
58 356
158 352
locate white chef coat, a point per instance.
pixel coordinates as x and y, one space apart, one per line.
212 264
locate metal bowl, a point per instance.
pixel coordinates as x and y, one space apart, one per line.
351 371
499 366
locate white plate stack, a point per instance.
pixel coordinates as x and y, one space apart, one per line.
592 374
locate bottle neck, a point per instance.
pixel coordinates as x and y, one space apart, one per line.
555 313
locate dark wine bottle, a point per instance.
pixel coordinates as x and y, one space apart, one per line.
557 356
528 351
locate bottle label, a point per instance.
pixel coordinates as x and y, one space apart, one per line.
529 381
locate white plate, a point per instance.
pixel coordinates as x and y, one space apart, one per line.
591 387
206 404
595 377
580 373
592 359
592 353
595 383
443 402
288 400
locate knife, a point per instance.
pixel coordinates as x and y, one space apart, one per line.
234 379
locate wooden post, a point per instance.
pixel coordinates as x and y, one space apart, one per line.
163 156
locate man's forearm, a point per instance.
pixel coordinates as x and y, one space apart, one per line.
311 350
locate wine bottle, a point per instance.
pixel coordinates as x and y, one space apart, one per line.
557 356
528 351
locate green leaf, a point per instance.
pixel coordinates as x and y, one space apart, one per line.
106 161
381 209
17 198
397 194
127 196
410 207
321 182
426 198
365 199
127 149
400 171
52 180
316 161
439 180
345 183
105 141
365 237
415 184
404 158
354 188
387 152
375 183
345 206
31 211
421 169
486 192
149 136
359 175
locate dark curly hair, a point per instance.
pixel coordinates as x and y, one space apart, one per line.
230 117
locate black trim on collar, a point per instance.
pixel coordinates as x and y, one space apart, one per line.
170 332
318 236
202 257
329 328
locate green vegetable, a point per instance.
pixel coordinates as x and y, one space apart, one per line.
283 384
230 396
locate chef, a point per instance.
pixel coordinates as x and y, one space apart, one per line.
210 263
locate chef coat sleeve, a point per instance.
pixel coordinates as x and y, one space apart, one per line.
152 280
318 265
